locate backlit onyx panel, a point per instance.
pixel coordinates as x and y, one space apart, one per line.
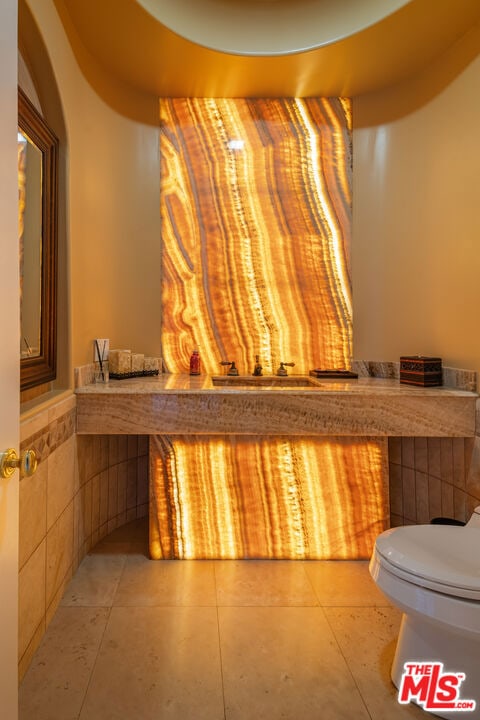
256 215
263 497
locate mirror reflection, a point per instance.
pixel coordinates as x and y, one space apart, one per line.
37 230
30 244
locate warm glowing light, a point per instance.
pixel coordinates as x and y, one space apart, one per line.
256 244
236 144
250 497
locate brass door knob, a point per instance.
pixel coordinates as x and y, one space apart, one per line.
10 461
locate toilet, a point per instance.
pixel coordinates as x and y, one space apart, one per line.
432 574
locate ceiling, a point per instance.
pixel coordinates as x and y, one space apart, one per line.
263 48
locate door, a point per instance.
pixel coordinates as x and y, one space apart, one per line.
9 358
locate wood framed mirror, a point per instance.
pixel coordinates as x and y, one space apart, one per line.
37 229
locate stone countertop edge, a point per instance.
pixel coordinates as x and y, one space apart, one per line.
186 384
174 405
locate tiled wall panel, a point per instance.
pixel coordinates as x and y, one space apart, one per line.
65 511
433 477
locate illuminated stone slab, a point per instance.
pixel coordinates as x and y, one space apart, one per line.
256 223
250 497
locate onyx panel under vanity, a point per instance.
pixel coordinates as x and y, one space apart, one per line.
273 471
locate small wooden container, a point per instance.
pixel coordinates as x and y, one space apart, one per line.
421 371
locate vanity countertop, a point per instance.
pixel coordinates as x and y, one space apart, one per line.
184 404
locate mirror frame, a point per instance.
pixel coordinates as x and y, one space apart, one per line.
42 368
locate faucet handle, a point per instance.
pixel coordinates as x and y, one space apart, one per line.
233 368
281 370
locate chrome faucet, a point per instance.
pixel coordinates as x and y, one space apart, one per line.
232 369
257 370
281 370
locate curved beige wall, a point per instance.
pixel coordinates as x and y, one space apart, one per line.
113 216
416 221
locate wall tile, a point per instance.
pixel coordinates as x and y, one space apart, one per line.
87 509
103 498
55 602
122 488
434 457
448 508
142 480
409 496
434 497
84 454
460 504
396 489
142 510
113 524
32 647
122 448
43 498
131 514
421 497
446 459
112 491
112 450
132 483
31 597
473 475
61 408
33 512
100 454
408 453
132 446
471 504
60 483
143 443
59 551
33 425
395 450
421 454
95 502
458 461
396 520
78 538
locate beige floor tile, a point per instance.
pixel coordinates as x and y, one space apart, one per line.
374 632
166 582
260 582
344 582
284 663
160 655
55 684
95 582
157 663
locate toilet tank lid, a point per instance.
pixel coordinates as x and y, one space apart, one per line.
444 554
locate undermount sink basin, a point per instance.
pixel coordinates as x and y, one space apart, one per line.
302 382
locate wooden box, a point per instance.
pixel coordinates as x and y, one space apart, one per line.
420 370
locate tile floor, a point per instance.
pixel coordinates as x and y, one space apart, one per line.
135 639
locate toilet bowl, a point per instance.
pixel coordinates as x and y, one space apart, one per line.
432 574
